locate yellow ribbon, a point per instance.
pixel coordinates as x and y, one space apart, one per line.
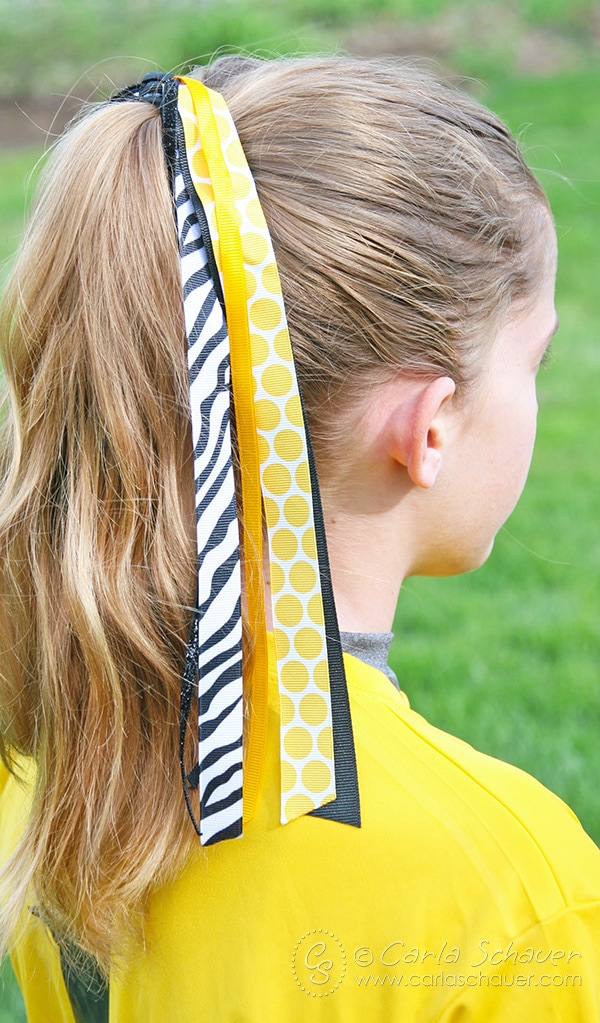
273 460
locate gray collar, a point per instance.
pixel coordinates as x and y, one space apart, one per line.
371 647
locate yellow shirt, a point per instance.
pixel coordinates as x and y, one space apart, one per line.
470 893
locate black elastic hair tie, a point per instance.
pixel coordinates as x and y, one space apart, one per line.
151 89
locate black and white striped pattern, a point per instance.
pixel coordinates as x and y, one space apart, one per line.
220 722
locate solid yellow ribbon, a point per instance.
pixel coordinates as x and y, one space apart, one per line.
231 260
252 289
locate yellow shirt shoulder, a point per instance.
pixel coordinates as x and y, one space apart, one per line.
469 892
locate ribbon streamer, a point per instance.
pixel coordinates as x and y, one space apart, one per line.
239 351
218 614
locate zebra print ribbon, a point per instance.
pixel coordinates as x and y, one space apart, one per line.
239 350
217 633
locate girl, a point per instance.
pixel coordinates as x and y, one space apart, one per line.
353 862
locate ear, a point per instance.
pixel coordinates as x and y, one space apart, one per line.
418 434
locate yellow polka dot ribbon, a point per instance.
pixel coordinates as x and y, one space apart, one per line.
249 273
277 478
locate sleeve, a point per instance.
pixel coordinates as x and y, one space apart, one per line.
34 954
549 973
36 962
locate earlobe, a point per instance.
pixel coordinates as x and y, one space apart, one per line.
419 445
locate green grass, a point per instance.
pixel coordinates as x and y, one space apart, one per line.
18 173
11 1004
507 658
51 45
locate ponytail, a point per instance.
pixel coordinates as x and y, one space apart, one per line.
96 550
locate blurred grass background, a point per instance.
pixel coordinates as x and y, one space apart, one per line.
507 657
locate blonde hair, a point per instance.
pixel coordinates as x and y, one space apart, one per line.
405 224
404 218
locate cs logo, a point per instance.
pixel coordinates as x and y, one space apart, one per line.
318 963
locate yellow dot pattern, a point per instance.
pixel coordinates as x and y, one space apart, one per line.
307 767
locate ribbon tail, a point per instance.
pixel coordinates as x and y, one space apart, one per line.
345 808
218 623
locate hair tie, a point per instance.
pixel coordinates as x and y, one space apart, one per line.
240 363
